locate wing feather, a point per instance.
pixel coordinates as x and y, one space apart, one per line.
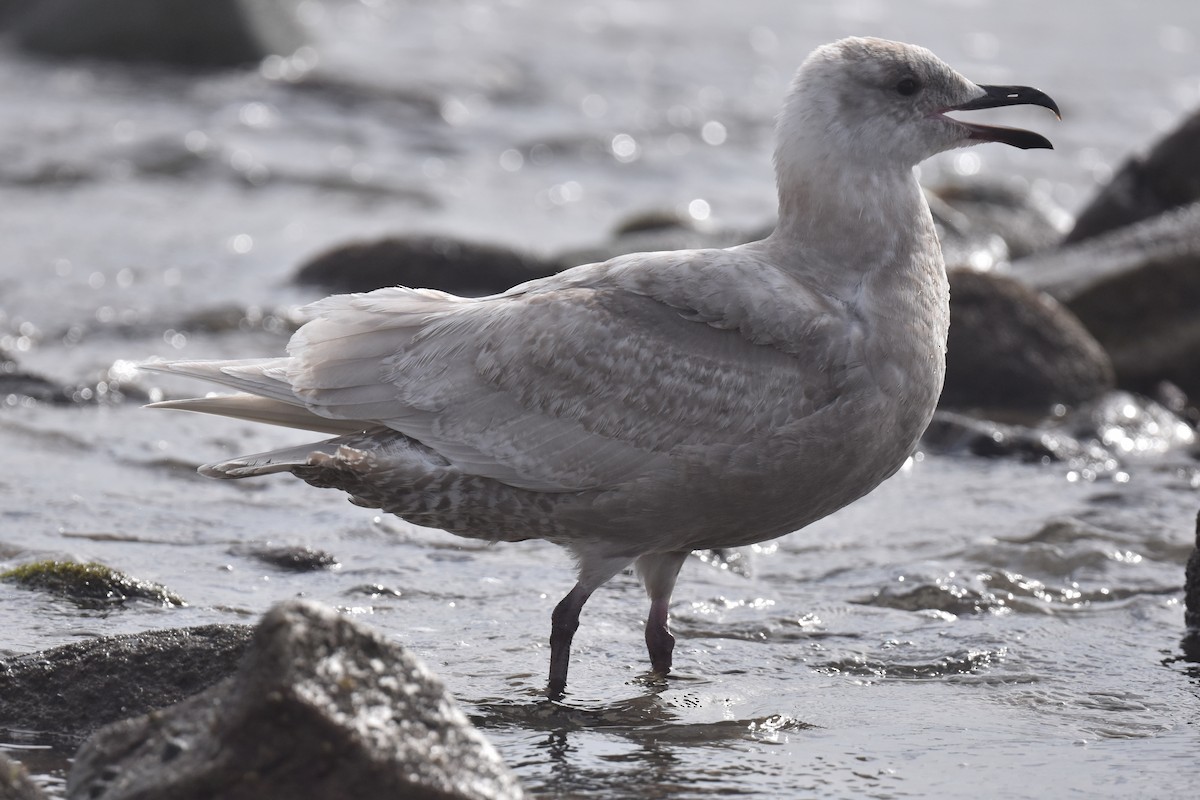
566 389
583 381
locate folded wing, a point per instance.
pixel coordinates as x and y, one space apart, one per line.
577 387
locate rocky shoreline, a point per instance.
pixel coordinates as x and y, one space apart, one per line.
307 704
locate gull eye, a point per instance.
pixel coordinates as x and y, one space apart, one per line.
908 87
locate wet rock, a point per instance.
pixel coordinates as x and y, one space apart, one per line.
293 559
1025 219
19 384
654 231
1095 438
1130 425
952 432
373 590
1191 600
215 33
1146 185
963 662
433 262
15 783
78 688
321 707
654 220
1136 290
1013 348
18 387
88 585
944 596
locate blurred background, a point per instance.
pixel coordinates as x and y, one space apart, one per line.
136 189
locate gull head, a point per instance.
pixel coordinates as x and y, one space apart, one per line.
878 103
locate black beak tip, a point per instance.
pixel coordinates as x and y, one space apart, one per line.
1042 143
1053 106
996 96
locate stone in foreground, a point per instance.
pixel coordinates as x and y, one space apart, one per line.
78 688
15 783
320 708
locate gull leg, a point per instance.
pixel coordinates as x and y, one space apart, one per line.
565 619
659 571
563 624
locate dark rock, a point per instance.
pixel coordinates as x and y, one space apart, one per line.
650 232
1013 348
214 33
15 783
432 262
21 384
1147 185
653 220
1129 425
293 559
1191 590
962 245
88 585
1137 290
18 386
320 708
374 590
952 432
980 224
944 596
1025 219
1095 438
78 688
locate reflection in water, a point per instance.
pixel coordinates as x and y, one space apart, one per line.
647 748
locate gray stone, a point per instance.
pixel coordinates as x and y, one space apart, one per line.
212 33
293 558
1012 348
653 231
75 689
1191 600
15 783
320 708
431 262
1137 290
1097 437
1166 177
976 212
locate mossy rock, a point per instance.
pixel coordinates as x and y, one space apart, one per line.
89 585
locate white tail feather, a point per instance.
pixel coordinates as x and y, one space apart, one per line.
264 409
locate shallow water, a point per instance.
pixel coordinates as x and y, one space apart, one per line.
974 625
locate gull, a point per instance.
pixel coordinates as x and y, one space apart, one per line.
638 409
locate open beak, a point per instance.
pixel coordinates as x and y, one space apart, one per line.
997 96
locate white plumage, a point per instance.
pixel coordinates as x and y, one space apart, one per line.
656 403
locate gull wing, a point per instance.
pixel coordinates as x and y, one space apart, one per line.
582 381
564 385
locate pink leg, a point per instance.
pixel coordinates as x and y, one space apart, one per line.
659 641
659 571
